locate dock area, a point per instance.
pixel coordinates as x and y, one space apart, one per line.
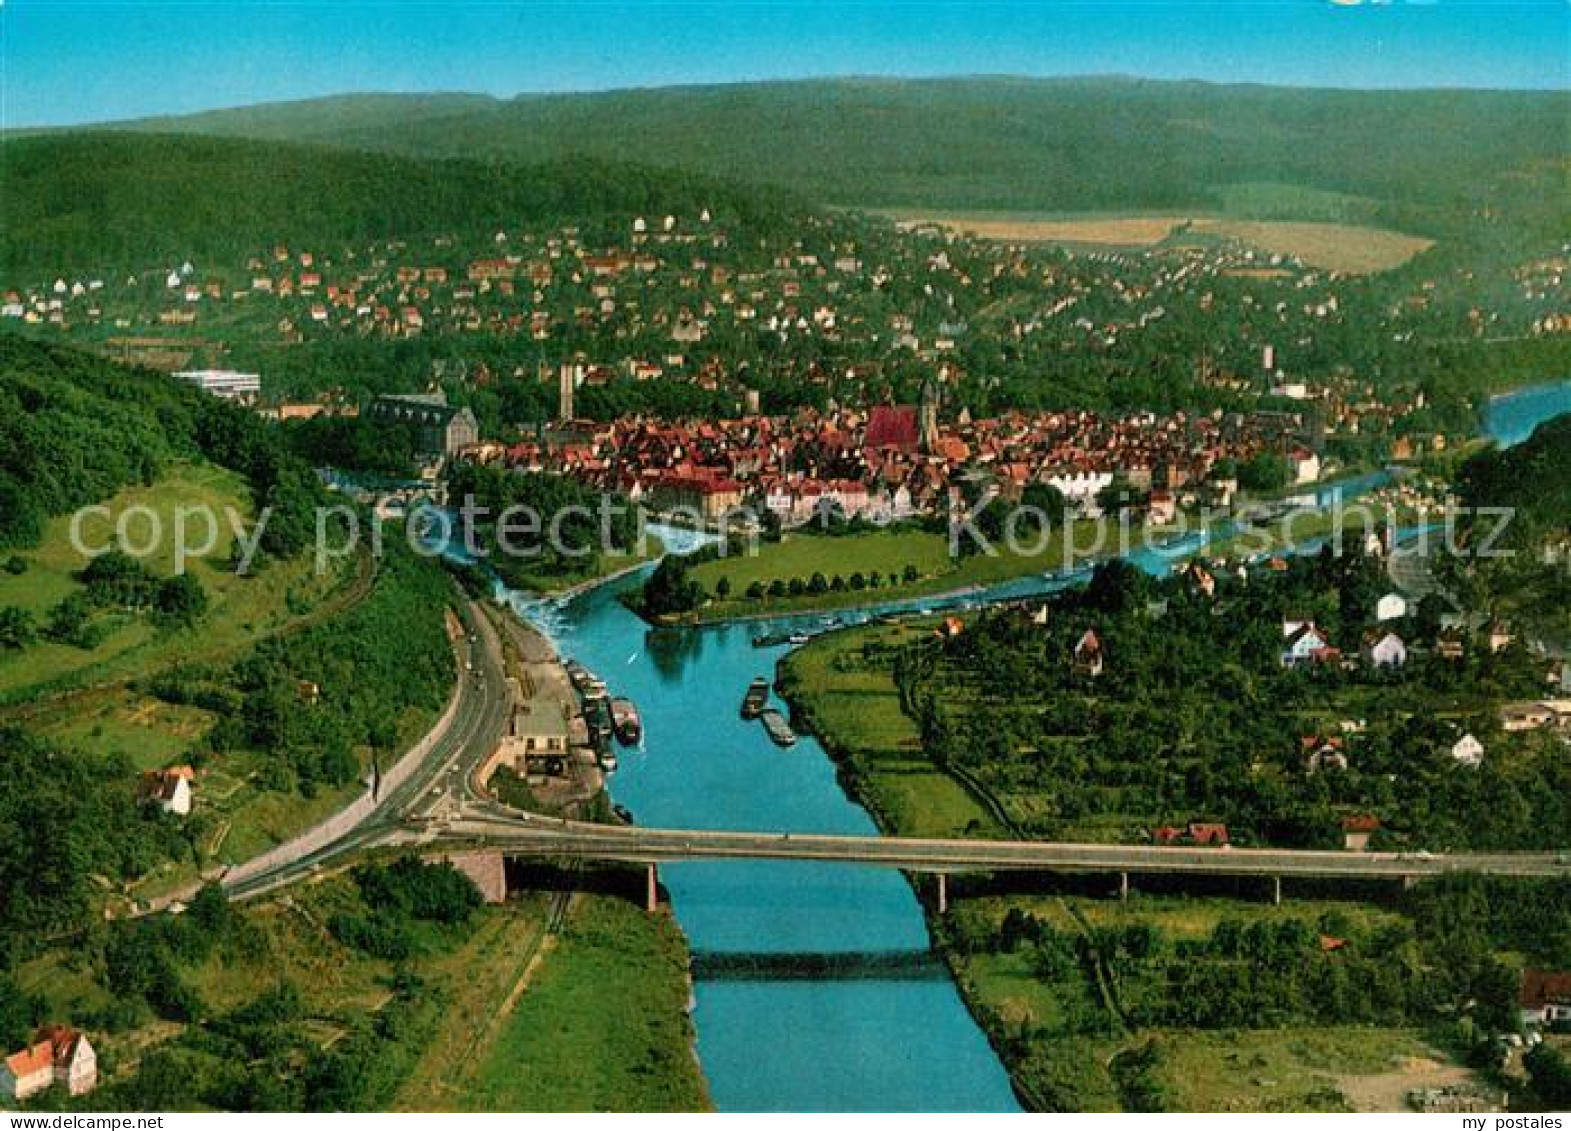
549 753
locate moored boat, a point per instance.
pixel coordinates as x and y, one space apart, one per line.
629 728
780 732
585 682
597 717
755 699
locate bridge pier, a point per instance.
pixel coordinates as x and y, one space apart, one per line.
652 890
943 894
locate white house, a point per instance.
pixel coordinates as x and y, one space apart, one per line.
1082 487
1386 650
58 1055
1303 642
169 789
1468 751
1393 606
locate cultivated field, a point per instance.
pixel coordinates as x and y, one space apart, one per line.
1349 248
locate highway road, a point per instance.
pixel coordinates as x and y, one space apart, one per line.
489 826
444 774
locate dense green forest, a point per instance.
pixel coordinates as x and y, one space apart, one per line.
1419 159
95 201
1525 573
1534 477
74 429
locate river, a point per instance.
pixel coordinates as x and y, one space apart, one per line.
863 1040
1511 417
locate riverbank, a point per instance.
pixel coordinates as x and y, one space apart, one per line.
1045 966
605 1024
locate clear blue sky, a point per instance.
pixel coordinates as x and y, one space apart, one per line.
69 61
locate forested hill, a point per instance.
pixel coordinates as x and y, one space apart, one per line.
1426 161
94 201
75 429
1534 477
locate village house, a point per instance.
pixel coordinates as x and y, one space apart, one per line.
1517 717
1385 650
171 789
536 741
59 1054
1468 751
1088 655
1546 999
1323 753
1357 829
1304 644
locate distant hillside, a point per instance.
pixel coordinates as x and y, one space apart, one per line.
91 201
1424 161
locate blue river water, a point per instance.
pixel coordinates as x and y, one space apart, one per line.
856 1043
1510 418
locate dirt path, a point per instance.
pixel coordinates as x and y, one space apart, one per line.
486 981
1387 1091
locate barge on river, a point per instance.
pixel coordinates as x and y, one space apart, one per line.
757 696
780 732
626 724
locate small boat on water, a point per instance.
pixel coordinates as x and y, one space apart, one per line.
585 682
597 718
770 639
622 813
798 638
780 732
607 760
626 724
755 699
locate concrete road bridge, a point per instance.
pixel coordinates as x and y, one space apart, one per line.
488 828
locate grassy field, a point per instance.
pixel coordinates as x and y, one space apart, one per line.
886 552
241 610
1296 1069
602 1025
852 703
91 699
1349 248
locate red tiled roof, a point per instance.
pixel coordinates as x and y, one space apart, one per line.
891 426
1541 987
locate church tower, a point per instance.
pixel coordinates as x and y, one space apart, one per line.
565 384
927 418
